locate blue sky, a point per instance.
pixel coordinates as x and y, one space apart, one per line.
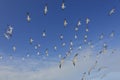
13 13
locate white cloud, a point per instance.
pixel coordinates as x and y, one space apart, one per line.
48 70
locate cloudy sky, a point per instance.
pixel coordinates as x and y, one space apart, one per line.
25 63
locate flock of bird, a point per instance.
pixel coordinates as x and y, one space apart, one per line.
9 32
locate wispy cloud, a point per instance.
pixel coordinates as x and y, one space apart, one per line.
48 70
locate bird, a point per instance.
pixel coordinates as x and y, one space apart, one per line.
65 22
91 46
104 48
28 17
89 43
75 59
45 9
36 47
113 51
38 53
112 34
46 52
14 48
75 36
80 47
85 36
71 43
83 77
31 40
44 34
63 44
63 5
100 68
55 47
93 67
71 48
28 56
9 32
87 20
89 71
112 11
76 28
101 36
79 23
68 53
61 62
59 55
85 40
86 29
6 36
61 37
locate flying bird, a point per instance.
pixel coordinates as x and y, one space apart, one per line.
76 28
86 29
63 5
63 44
112 34
28 17
93 67
46 52
28 55
80 47
31 40
68 53
85 36
61 37
38 53
45 9
75 59
100 68
44 34
101 36
83 77
14 48
79 23
87 20
112 11
9 32
55 47
61 62
71 43
36 47
65 23
75 36
59 55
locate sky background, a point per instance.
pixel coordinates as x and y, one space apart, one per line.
13 12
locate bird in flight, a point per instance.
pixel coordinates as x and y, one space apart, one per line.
65 23
75 59
9 32
61 62
45 9
112 11
14 48
31 40
63 5
28 17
